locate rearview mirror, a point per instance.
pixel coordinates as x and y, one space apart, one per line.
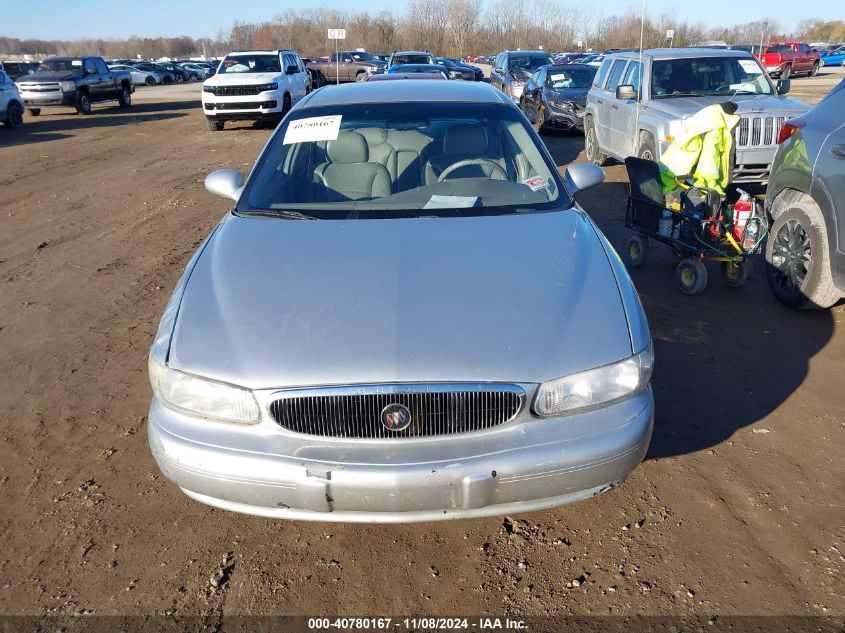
225 182
784 85
582 176
626 92
291 70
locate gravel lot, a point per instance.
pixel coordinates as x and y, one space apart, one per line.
739 508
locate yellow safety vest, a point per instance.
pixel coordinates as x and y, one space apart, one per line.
703 149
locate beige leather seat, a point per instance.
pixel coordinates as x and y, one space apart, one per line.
350 174
400 151
467 141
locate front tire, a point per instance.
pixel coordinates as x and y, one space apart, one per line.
636 251
14 115
361 78
124 97
591 144
83 103
214 125
736 274
150 81
691 276
815 70
797 258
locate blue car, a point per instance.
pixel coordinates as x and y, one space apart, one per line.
835 58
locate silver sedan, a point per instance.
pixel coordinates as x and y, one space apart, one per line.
139 77
404 317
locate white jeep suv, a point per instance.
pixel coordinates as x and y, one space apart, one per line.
254 85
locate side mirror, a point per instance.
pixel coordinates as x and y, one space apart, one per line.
225 182
582 176
626 92
784 86
291 70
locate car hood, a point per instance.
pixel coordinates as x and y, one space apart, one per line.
747 104
520 298
243 79
576 95
45 77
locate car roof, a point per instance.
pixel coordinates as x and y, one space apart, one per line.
679 53
405 91
274 51
564 67
537 52
411 53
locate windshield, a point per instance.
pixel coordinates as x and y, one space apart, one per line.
528 62
708 76
411 59
364 57
60 65
420 159
560 78
250 64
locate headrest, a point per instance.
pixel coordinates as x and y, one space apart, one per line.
350 147
373 135
465 139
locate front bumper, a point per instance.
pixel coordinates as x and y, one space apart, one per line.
566 118
525 465
41 99
263 105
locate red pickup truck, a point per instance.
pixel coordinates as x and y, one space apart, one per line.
781 60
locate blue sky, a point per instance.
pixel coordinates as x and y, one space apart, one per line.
67 19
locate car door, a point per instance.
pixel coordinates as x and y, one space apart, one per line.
106 85
532 94
296 81
5 91
623 118
497 77
92 81
606 105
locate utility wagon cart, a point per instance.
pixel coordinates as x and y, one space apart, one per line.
695 233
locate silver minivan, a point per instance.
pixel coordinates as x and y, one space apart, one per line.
638 104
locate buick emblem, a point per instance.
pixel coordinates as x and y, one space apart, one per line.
396 417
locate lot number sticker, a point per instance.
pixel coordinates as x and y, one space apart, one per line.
316 128
750 67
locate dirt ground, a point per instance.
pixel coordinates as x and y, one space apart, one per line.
738 509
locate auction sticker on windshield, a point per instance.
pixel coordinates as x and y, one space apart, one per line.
750 67
536 183
318 128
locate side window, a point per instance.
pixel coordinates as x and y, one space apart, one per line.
101 66
89 66
632 76
602 74
2 77
288 61
616 74
346 58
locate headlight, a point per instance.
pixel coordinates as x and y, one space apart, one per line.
596 387
200 396
67 86
208 89
265 87
560 105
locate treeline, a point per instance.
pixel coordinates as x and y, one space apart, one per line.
450 27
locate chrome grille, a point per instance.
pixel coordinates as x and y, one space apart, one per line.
436 409
235 91
758 131
33 87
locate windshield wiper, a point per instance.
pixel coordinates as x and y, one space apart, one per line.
278 213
